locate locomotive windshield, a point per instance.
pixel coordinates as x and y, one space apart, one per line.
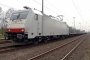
20 15
14 16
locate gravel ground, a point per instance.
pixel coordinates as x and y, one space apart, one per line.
24 54
87 52
58 54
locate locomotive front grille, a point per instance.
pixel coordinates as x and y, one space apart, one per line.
19 36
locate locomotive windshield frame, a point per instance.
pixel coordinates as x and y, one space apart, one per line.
19 15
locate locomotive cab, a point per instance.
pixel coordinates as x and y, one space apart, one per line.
15 27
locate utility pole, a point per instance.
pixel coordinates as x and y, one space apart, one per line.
42 6
42 14
2 24
80 26
74 23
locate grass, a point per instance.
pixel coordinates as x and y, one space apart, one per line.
1 36
2 31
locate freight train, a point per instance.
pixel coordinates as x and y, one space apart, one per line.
29 25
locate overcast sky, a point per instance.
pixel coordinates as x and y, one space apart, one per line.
80 9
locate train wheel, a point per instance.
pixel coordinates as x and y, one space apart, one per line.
8 38
36 41
46 41
26 41
5 38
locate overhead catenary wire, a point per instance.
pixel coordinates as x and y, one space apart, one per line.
63 13
7 6
58 10
22 2
4 5
49 8
45 7
77 10
54 6
39 4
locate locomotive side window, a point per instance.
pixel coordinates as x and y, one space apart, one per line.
36 17
23 15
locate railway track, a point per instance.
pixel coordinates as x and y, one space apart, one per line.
4 41
11 48
72 50
56 48
6 49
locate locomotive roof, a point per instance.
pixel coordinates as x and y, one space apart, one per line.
37 11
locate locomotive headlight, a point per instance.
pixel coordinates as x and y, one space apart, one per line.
22 30
8 29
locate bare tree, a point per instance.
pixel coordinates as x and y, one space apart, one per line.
9 12
4 17
1 19
7 16
1 14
